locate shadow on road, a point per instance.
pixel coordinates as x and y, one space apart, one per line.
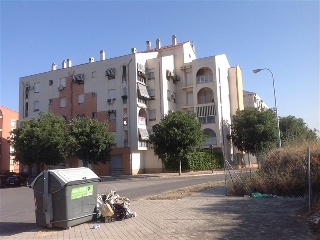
11 228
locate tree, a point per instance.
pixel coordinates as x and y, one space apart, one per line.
295 130
254 130
40 140
177 134
90 140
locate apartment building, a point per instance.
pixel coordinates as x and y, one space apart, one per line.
133 92
8 122
251 99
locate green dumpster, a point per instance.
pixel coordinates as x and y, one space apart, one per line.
65 197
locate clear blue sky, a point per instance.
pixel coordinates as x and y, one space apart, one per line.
280 35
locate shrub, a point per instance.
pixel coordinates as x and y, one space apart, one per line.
282 172
197 161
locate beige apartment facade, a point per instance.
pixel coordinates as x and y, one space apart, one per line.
133 92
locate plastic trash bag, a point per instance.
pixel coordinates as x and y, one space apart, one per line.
259 195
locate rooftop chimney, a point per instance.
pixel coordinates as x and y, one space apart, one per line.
133 50
174 40
91 60
102 55
69 64
64 64
53 66
158 43
148 45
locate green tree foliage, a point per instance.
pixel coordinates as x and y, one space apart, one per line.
253 130
178 134
90 140
295 130
40 140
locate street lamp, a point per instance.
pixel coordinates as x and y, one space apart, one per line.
275 101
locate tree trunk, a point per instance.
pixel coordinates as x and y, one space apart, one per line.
179 167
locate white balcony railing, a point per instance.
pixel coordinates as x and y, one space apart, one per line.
204 79
143 143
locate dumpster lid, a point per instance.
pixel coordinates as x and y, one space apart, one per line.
68 175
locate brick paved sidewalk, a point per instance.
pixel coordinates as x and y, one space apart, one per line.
206 215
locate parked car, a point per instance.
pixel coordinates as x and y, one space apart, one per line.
3 179
14 181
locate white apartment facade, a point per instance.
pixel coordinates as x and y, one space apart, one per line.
251 99
133 92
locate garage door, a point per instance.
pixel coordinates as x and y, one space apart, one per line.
116 165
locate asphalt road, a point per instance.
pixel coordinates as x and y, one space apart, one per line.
17 204
135 188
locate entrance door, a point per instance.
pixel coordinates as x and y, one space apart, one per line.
116 165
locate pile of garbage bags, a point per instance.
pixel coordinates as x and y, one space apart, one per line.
111 207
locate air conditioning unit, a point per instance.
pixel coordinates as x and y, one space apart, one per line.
110 100
29 86
60 87
176 78
79 78
111 73
173 95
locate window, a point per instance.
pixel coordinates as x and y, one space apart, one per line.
150 75
36 106
26 110
27 93
152 93
50 101
94 95
141 67
112 115
94 74
80 98
50 82
36 87
13 123
94 115
124 73
125 121
124 91
152 115
111 94
63 102
168 94
62 82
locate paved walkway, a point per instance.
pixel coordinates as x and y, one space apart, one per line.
206 215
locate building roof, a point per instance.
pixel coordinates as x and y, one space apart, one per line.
162 48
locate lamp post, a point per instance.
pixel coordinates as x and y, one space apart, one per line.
275 101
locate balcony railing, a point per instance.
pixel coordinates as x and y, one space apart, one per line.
204 79
207 119
210 140
143 143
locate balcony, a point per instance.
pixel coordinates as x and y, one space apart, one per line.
210 140
207 119
143 143
204 79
